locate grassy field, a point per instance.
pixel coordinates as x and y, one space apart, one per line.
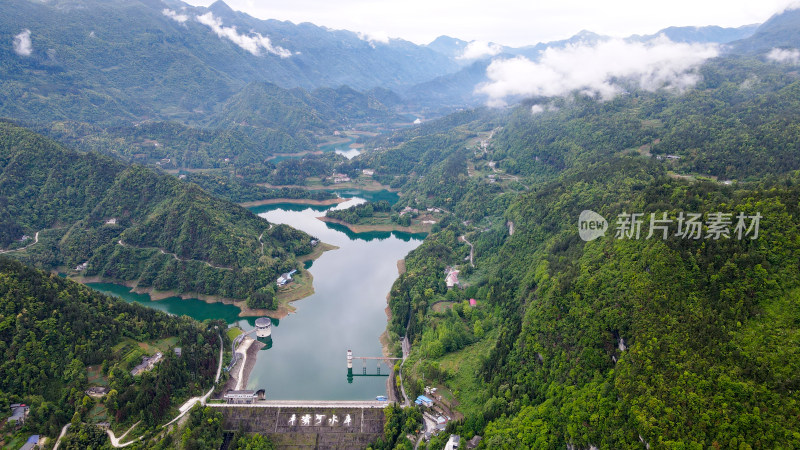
15 442
129 352
302 286
95 377
315 183
319 249
381 223
464 385
233 332
97 414
442 306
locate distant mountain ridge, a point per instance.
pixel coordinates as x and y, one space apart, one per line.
457 89
133 60
130 60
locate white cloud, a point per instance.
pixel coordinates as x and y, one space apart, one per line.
538 109
788 56
22 43
254 43
480 49
372 38
597 69
180 18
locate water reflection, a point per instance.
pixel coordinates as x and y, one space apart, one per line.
306 353
192 307
347 310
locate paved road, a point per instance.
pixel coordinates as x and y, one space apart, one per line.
308 404
63 432
191 402
115 441
177 258
35 241
471 250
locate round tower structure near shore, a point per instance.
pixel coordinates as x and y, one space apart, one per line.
263 327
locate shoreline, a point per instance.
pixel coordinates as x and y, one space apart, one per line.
413 229
250 361
384 337
298 201
374 186
284 309
244 366
156 295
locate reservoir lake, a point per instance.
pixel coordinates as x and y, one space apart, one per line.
306 358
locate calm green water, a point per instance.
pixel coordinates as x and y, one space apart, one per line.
307 359
347 311
192 307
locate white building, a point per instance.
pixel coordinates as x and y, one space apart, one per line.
285 278
453 442
452 278
263 327
241 397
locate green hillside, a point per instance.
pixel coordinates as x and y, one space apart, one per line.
59 338
131 224
614 343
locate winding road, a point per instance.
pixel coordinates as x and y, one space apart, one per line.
177 258
471 250
35 241
63 432
192 401
115 440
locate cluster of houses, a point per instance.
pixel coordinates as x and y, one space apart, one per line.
340 178
286 278
19 413
409 210
148 362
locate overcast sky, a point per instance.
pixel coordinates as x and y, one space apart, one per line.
508 22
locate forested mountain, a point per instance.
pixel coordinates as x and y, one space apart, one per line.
53 329
653 335
456 89
249 129
131 224
780 31
280 120
85 59
715 34
621 342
